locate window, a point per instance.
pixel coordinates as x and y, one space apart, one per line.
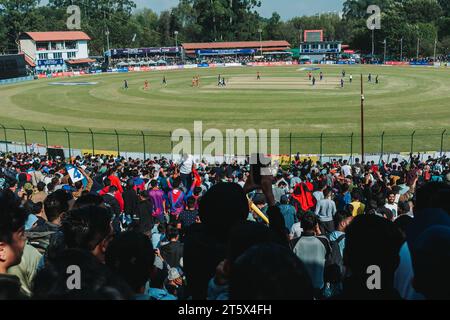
71 55
57 55
71 44
41 46
43 56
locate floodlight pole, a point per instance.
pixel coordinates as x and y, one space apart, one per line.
435 45
362 119
401 49
418 47
373 42
176 40
260 40
109 49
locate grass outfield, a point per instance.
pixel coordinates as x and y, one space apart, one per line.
406 99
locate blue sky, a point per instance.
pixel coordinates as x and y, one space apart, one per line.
286 8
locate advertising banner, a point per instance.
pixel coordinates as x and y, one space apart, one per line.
397 63
51 62
419 63
224 52
143 51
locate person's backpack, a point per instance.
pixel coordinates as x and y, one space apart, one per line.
39 240
334 264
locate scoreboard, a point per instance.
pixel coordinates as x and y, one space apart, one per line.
313 36
12 66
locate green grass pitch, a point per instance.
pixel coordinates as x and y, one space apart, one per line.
406 99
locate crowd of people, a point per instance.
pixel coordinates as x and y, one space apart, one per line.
160 230
154 60
177 60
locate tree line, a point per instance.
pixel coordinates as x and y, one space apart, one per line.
403 21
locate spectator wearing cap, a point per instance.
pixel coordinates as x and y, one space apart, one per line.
157 290
40 195
175 283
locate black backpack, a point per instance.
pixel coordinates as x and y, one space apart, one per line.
334 265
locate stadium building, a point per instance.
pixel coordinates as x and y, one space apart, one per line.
253 49
55 51
315 49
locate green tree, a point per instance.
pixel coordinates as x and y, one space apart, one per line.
17 17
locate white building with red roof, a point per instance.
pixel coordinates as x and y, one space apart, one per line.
55 50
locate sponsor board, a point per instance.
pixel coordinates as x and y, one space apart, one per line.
73 83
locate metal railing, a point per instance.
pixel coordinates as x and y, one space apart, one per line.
96 142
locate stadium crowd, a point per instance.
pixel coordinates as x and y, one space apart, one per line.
159 230
173 60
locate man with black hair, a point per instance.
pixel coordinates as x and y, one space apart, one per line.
111 201
325 211
358 206
391 204
343 198
371 256
270 272
175 199
130 198
130 255
432 263
288 212
242 237
173 251
188 216
431 209
12 243
88 200
157 290
221 208
97 281
55 206
88 228
144 212
313 249
158 200
357 169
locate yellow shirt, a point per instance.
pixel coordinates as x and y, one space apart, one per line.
358 208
